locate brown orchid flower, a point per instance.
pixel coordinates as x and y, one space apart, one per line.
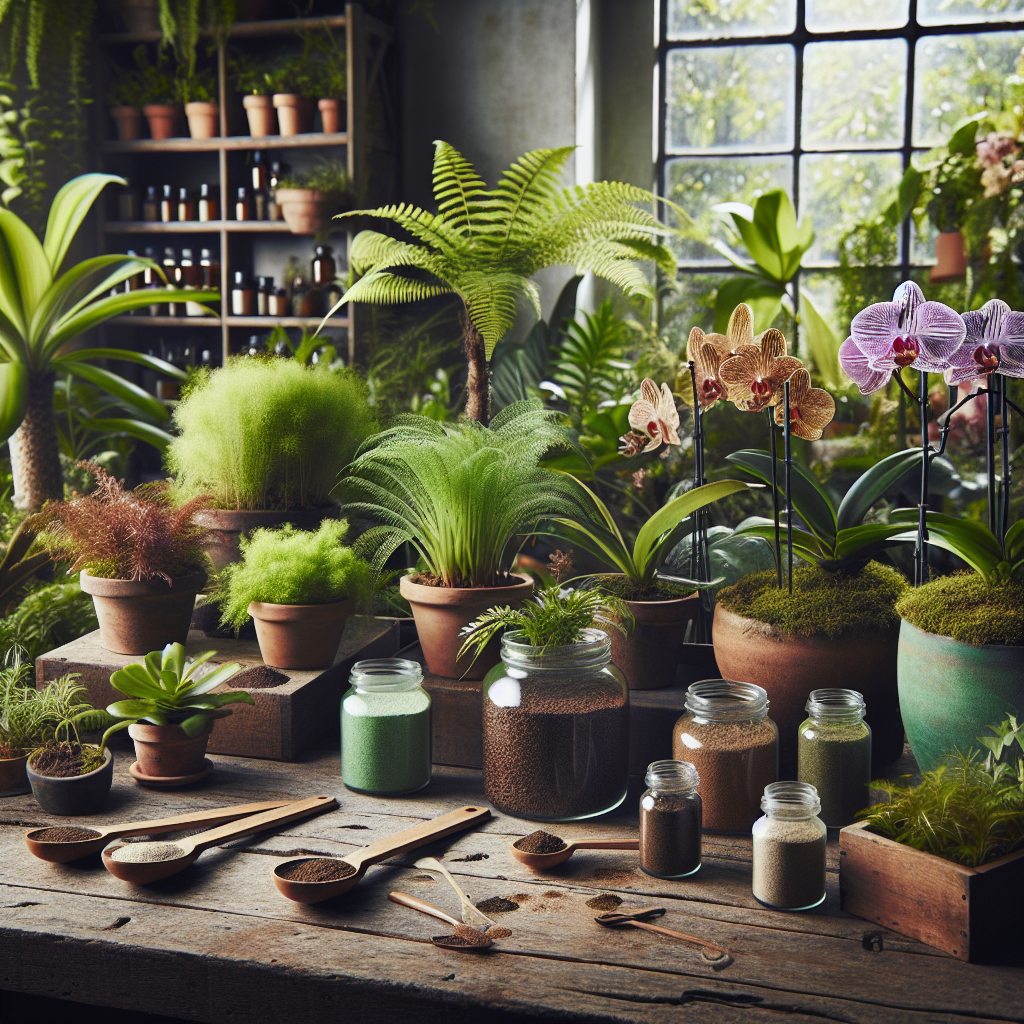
756 373
810 409
655 414
706 359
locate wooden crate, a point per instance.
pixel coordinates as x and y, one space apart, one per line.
285 720
971 913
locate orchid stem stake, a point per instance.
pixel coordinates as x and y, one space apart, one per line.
1004 462
775 497
786 435
921 553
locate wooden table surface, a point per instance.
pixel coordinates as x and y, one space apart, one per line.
218 943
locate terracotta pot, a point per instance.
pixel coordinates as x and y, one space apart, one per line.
77 794
166 752
300 636
260 112
649 655
294 113
163 120
950 691
789 667
203 120
302 209
139 616
13 780
951 258
440 614
330 114
128 121
227 525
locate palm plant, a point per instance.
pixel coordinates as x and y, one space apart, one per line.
485 245
43 312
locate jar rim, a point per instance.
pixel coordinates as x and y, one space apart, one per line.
593 650
727 700
384 674
835 703
790 800
674 776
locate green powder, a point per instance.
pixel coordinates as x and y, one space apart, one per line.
385 741
836 760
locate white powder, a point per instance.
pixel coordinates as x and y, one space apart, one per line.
146 853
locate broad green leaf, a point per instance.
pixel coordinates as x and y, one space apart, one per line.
854 539
172 659
763 297
910 190
973 542
868 488
219 700
134 709
70 207
84 355
1015 539
194 724
822 344
135 682
115 426
805 544
123 390
13 398
961 140
214 679
31 269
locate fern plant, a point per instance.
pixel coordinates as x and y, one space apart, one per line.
62 751
460 492
484 245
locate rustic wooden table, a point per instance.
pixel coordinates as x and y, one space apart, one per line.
218 943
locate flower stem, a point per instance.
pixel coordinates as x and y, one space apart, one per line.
921 550
775 497
786 435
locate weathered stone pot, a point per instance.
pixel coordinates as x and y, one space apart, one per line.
139 616
167 752
789 667
203 120
300 636
13 777
260 112
440 614
330 115
76 794
950 691
649 655
128 121
227 525
951 258
163 120
302 209
294 113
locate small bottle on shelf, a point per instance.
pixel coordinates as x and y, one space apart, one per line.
243 205
277 302
264 290
259 185
254 348
209 270
191 280
186 205
243 296
150 278
170 265
151 205
277 172
324 270
302 299
208 203
168 207
128 203
132 283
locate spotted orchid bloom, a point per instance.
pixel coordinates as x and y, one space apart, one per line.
756 373
994 341
655 415
810 409
890 336
707 358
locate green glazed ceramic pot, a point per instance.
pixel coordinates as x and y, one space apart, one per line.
949 691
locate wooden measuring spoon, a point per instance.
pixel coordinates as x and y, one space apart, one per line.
640 919
547 861
471 938
142 872
61 853
360 860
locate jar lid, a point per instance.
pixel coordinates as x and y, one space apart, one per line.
677 776
790 800
835 704
592 650
386 674
725 700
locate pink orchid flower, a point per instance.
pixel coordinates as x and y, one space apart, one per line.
994 341
655 414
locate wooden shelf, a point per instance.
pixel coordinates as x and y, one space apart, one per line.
144 320
188 227
186 144
256 29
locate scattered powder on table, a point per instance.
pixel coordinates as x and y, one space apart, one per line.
540 842
606 901
452 940
64 834
471 857
497 932
497 905
146 853
321 869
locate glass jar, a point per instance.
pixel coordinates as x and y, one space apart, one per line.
727 735
128 203
670 820
556 729
243 207
243 296
789 848
209 204
385 728
277 303
264 289
834 754
168 207
186 204
151 204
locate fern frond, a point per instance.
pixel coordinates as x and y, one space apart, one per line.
457 187
382 288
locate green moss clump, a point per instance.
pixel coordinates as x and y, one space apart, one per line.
963 606
822 603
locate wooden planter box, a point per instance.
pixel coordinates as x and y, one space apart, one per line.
972 913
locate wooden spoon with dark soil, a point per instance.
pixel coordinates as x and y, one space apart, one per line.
464 940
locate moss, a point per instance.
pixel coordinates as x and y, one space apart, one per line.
822 603
966 608
627 590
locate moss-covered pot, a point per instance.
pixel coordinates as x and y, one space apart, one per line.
949 691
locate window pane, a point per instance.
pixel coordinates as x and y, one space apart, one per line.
730 97
967 12
854 94
843 16
959 75
697 184
699 19
838 190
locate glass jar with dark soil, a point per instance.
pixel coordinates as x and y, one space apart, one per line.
727 735
670 820
556 730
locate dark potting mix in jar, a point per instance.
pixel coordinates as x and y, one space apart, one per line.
728 737
385 728
670 820
556 730
834 754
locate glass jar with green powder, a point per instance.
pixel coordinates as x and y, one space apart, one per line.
385 728
834 753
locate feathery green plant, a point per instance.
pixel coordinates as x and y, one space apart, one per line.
67 716
268 434
460 492
484 245
289 566
24 711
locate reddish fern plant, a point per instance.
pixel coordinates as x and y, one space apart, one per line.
127 535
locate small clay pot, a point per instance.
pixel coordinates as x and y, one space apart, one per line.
260 112
163 120
139 616
294 113
128 121
330 114
226 526
302 209
203 120
951 258
440 614
649 655
77 794
167 752
300 636
13 780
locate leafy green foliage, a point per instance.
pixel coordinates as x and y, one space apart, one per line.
164 690
268 434
47 617
145 84
24 710
290 566
967 608
67 715
327 176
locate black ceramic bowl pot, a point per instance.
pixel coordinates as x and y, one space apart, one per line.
79 794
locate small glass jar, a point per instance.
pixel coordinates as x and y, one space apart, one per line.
186 205
243 205
277 303
264 290
834 753
151 205
670 820
789 848
556 730
385 728
168 207
324 267
243 296
128 203
209 205
727 734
